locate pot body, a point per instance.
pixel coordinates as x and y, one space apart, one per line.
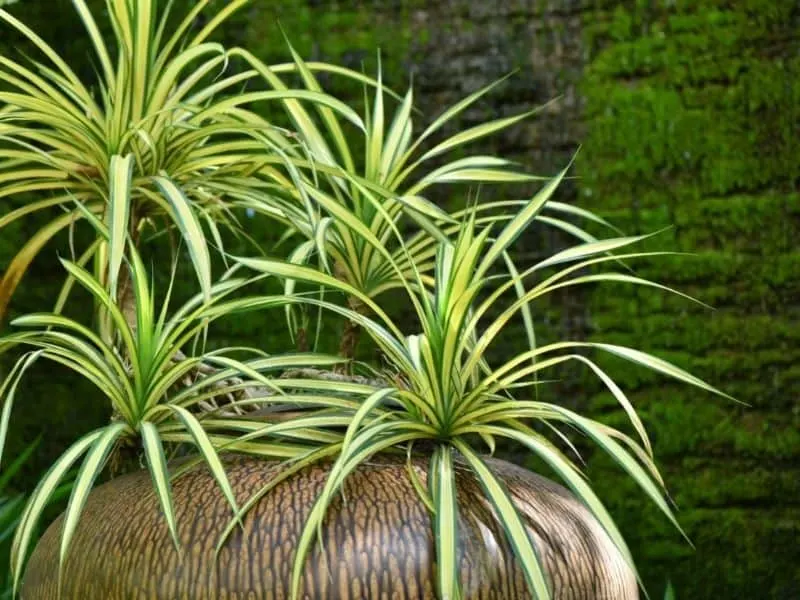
377 540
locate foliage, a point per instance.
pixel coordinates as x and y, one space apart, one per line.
168 147
159 149
11 509
669 592
349 212
349 205
449 396
10 513
164 143
137 377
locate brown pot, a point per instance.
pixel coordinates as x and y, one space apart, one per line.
377 544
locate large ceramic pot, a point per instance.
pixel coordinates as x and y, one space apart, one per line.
377 542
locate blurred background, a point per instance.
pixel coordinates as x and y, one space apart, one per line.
687 114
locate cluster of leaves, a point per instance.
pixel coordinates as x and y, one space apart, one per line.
452 397
160 148
166 148
11 509
10 513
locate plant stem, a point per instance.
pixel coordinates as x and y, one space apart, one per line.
302 339
126 297
351 334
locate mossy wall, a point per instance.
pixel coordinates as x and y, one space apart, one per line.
692 112
688 113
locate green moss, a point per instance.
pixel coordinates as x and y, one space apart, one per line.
347 35
691 112
696 482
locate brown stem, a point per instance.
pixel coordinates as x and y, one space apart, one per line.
350 335
349 341
126 297
302 339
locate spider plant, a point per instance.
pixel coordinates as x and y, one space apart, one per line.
152 144
347 193
450 397
142 378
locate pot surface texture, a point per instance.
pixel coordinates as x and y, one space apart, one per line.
377 540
